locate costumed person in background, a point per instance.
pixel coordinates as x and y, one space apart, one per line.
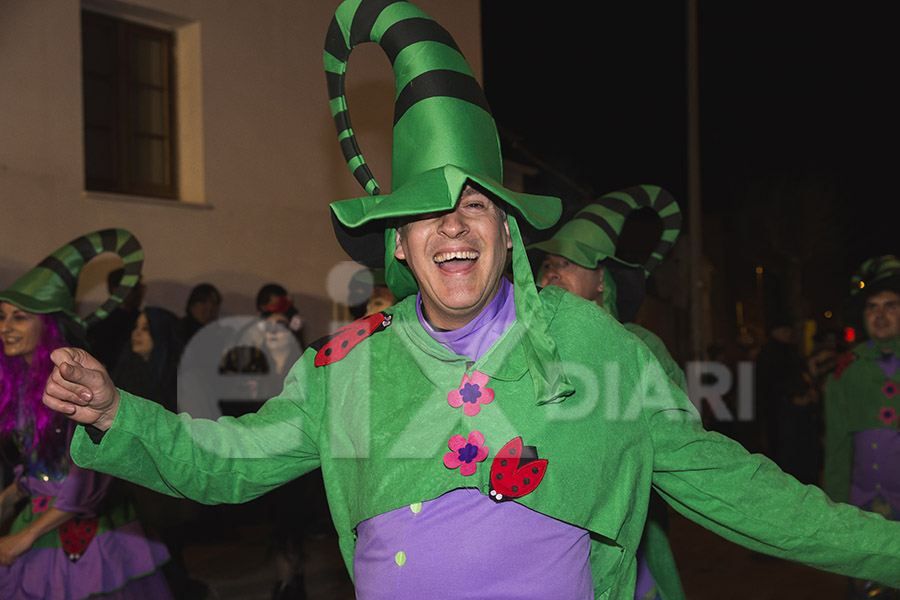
69 541
581 258
479 439
862 406
111 336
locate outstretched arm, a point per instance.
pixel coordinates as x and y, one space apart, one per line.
80 388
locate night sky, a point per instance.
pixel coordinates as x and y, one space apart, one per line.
797 116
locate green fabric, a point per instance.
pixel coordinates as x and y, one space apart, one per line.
853 401
378 422
660 352
655 540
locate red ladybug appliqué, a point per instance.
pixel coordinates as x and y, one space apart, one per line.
75 536
336 346
516 471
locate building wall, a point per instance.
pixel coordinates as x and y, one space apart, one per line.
259 154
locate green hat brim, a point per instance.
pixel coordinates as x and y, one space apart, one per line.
437 190
31 304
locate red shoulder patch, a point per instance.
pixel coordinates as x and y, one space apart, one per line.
332 348
843 362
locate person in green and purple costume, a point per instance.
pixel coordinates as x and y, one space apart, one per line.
581 258
862 406
479 439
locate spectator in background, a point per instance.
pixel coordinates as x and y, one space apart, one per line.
788 404
202 308
149 367
110 337
862 406
369 293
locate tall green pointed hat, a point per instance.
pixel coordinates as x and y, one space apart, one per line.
444 136
593 233
50 287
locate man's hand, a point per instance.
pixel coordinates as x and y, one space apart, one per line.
80 388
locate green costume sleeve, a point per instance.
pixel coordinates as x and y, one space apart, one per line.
838 442
747 499
658 349
225 461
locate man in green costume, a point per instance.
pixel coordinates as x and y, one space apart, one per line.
862 405
478 439
581 258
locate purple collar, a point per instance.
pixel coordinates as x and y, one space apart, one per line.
474 339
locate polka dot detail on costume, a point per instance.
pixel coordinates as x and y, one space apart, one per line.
400 558
874 446
875 466
416 507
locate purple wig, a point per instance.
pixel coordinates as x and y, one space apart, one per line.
21 389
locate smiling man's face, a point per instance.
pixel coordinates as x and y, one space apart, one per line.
457 257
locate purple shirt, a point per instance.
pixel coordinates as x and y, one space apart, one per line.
463 545
876 467
473 340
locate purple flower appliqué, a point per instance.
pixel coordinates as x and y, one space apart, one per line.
890 389
887 414
40 503
466 453
471 394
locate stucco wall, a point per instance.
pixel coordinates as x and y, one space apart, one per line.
260 149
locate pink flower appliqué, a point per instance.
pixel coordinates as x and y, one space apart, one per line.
466 453
471 394
887 414
40 503
890 389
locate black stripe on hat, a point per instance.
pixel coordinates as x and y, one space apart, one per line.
335 83
108 240
440 83
599 222
334 41
364 19
411 31
640 195
364 175
672 221
349 148
132 268
342 121
617 205
130 246
57 266
85 248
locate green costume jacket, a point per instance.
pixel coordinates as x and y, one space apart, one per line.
655 540
858 397
378 422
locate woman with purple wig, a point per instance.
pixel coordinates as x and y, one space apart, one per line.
70 539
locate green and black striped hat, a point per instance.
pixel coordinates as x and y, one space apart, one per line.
874 275
444 136
444 133
50 287
593 233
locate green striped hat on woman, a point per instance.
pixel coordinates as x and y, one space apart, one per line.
878 274
444 136
50 287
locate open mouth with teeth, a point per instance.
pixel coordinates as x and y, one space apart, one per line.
457 261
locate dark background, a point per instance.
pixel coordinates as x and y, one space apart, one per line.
798 127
